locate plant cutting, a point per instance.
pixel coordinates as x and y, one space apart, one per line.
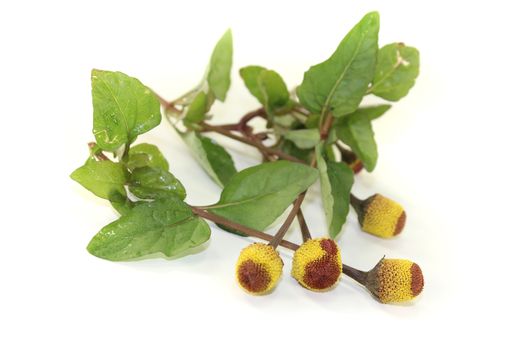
319 132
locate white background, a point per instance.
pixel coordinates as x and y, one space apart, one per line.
451 152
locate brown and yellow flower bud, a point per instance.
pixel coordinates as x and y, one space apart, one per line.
395 280
259 268
317 264
379 215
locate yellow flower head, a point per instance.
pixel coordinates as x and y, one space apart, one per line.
258 269
395 280
317 264
380 216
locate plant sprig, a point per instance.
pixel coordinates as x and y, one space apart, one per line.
324 132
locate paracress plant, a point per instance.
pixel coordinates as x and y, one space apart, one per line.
319 132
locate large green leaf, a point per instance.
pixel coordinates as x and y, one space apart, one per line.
396 71
357 133
145 154
267 86
165 226
123 108
257 196
213 158
339 83
151 183
336 182
103 178
220 66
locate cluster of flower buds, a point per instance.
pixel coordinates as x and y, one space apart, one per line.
317 263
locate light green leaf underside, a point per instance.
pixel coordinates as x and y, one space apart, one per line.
304 139
220 66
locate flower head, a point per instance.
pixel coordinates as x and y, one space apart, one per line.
317 264
258 269
395 280
380 216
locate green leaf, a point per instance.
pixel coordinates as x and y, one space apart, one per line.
396 71
121 203
145 154
197 109
336 182
358 134
213 158
304 138
370 113
103 178
250 76
257 196
290 148
267 86
339 83
123 108
151 183
165 226
220 66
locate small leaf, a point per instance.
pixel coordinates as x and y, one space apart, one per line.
267 86
220 66
250 76
304 139
165 226
396 71
336 182
145 154
121 203
123 108
339 83
102 178
290 148
370 113
257 196
197 109
151 183
213 158
357 133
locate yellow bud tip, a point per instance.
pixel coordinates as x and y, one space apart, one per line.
395 280
258 268
317 264
382 216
